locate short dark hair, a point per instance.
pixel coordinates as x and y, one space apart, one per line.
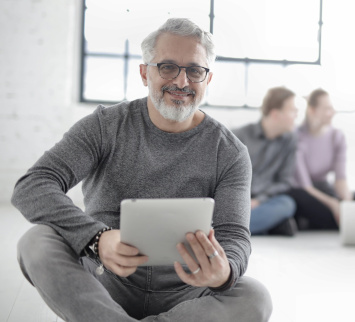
275 98
313 98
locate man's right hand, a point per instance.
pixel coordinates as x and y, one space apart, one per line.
119 258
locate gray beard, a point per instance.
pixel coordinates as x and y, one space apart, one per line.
176 112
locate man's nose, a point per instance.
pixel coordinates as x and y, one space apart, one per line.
181 80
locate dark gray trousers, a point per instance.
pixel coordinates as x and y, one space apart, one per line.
71 288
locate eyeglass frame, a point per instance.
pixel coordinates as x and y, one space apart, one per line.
207 70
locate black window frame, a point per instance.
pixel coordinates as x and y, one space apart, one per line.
246 61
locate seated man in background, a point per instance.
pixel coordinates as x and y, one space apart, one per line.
161 146
272 146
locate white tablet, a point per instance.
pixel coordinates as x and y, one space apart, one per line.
156 226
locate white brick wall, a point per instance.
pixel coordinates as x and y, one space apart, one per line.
38 81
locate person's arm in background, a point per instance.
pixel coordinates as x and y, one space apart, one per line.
283 178
342 189
341 185
331 202
254 203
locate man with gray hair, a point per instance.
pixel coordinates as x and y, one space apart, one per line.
161 146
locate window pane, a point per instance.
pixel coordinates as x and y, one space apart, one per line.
267 29
242 28
227 85
109 23
261 79
104 79
303 78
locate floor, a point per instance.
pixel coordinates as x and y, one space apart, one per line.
311 277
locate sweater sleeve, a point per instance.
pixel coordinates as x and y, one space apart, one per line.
232 216
40 195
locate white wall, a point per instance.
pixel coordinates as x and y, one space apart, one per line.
39 72
38 59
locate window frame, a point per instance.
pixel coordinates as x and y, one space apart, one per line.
126 56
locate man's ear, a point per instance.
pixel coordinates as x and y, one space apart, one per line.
209 77
143 71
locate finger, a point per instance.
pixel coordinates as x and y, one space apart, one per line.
186 278
123 271
127 250
198 250
211 250
130 261
206 243
186 256
124 266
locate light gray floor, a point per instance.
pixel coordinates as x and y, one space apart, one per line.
311 277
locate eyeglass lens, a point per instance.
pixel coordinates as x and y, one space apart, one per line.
171 71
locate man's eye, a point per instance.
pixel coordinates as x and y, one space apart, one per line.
168 67
196 71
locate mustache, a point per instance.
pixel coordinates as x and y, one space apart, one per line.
177 89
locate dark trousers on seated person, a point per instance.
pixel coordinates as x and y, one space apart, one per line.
71 288
311 213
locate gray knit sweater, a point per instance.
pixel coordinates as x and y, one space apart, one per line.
119 153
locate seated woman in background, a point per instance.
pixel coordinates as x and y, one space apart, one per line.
321 150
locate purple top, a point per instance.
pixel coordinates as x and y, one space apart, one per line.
317 156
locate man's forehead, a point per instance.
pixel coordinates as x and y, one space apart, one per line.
171 48
168 36
173 61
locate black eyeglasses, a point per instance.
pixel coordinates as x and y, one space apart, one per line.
169 71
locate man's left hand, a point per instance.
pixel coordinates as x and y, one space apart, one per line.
213 269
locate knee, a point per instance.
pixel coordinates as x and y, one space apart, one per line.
257 300
31 249
288 204
32 243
